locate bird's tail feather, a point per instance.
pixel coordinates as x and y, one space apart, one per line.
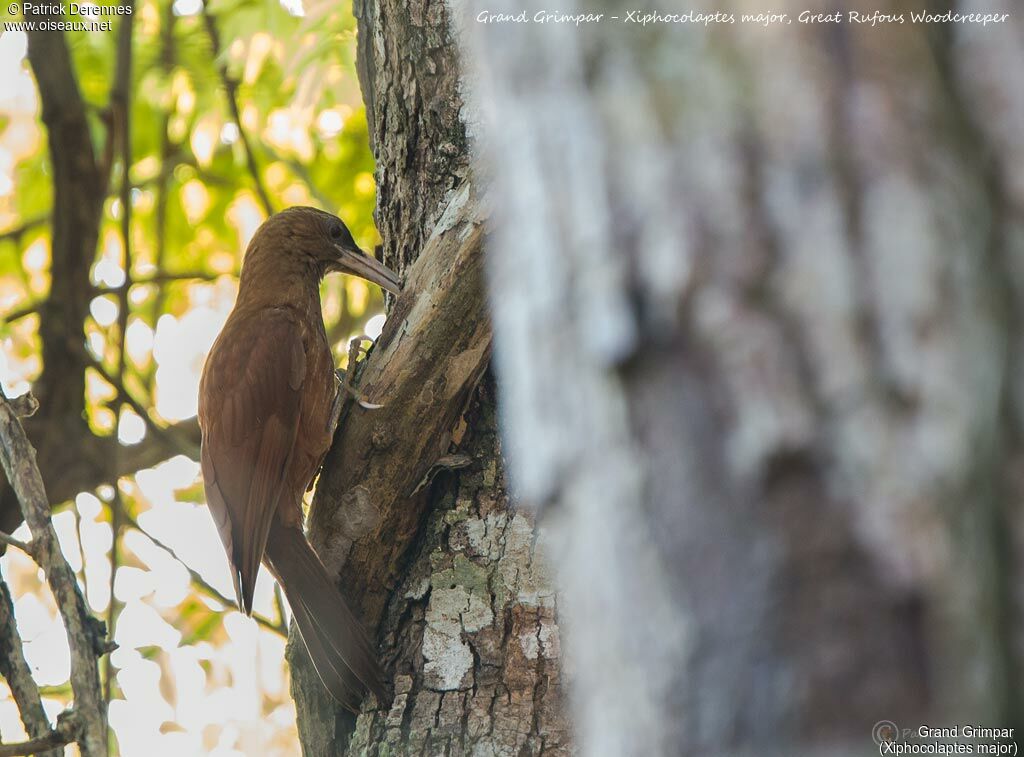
335 639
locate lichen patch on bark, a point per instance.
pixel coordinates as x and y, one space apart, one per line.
475 626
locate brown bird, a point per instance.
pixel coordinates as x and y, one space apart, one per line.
268 405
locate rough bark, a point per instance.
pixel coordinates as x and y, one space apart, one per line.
409 74
412 508
757 308
472 627
18 675
86 723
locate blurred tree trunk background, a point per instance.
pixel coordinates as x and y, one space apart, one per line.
454 580
757 302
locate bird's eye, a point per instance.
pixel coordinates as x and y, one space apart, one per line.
336 231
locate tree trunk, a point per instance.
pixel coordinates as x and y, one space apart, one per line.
757 300
430 554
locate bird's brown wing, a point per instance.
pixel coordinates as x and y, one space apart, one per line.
249 414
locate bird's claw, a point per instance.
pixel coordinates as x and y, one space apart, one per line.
355 346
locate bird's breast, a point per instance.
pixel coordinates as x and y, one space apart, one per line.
314 436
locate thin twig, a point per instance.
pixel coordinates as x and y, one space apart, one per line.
17 232
167 148
120 101
231 88
86 635
158 278
17 543
18 674
113 606
22 312
167 434
202 583
100 465
81 551
162 278
51 744
43 745
302 174
282 620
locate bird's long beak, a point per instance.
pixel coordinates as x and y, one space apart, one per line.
358 263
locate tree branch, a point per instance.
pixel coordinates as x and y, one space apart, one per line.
86 635
96 462
162 277
77 208
10 541
17 232
22 312
203 584
120 105
231 89
61 430
168 434
50 744
167 148
18 675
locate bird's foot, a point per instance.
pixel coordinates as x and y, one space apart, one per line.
355 347
361 398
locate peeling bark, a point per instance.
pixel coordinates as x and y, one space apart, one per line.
473 626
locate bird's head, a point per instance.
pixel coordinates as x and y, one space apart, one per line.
320 242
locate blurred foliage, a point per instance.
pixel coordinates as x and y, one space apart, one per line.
194 205
193 198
